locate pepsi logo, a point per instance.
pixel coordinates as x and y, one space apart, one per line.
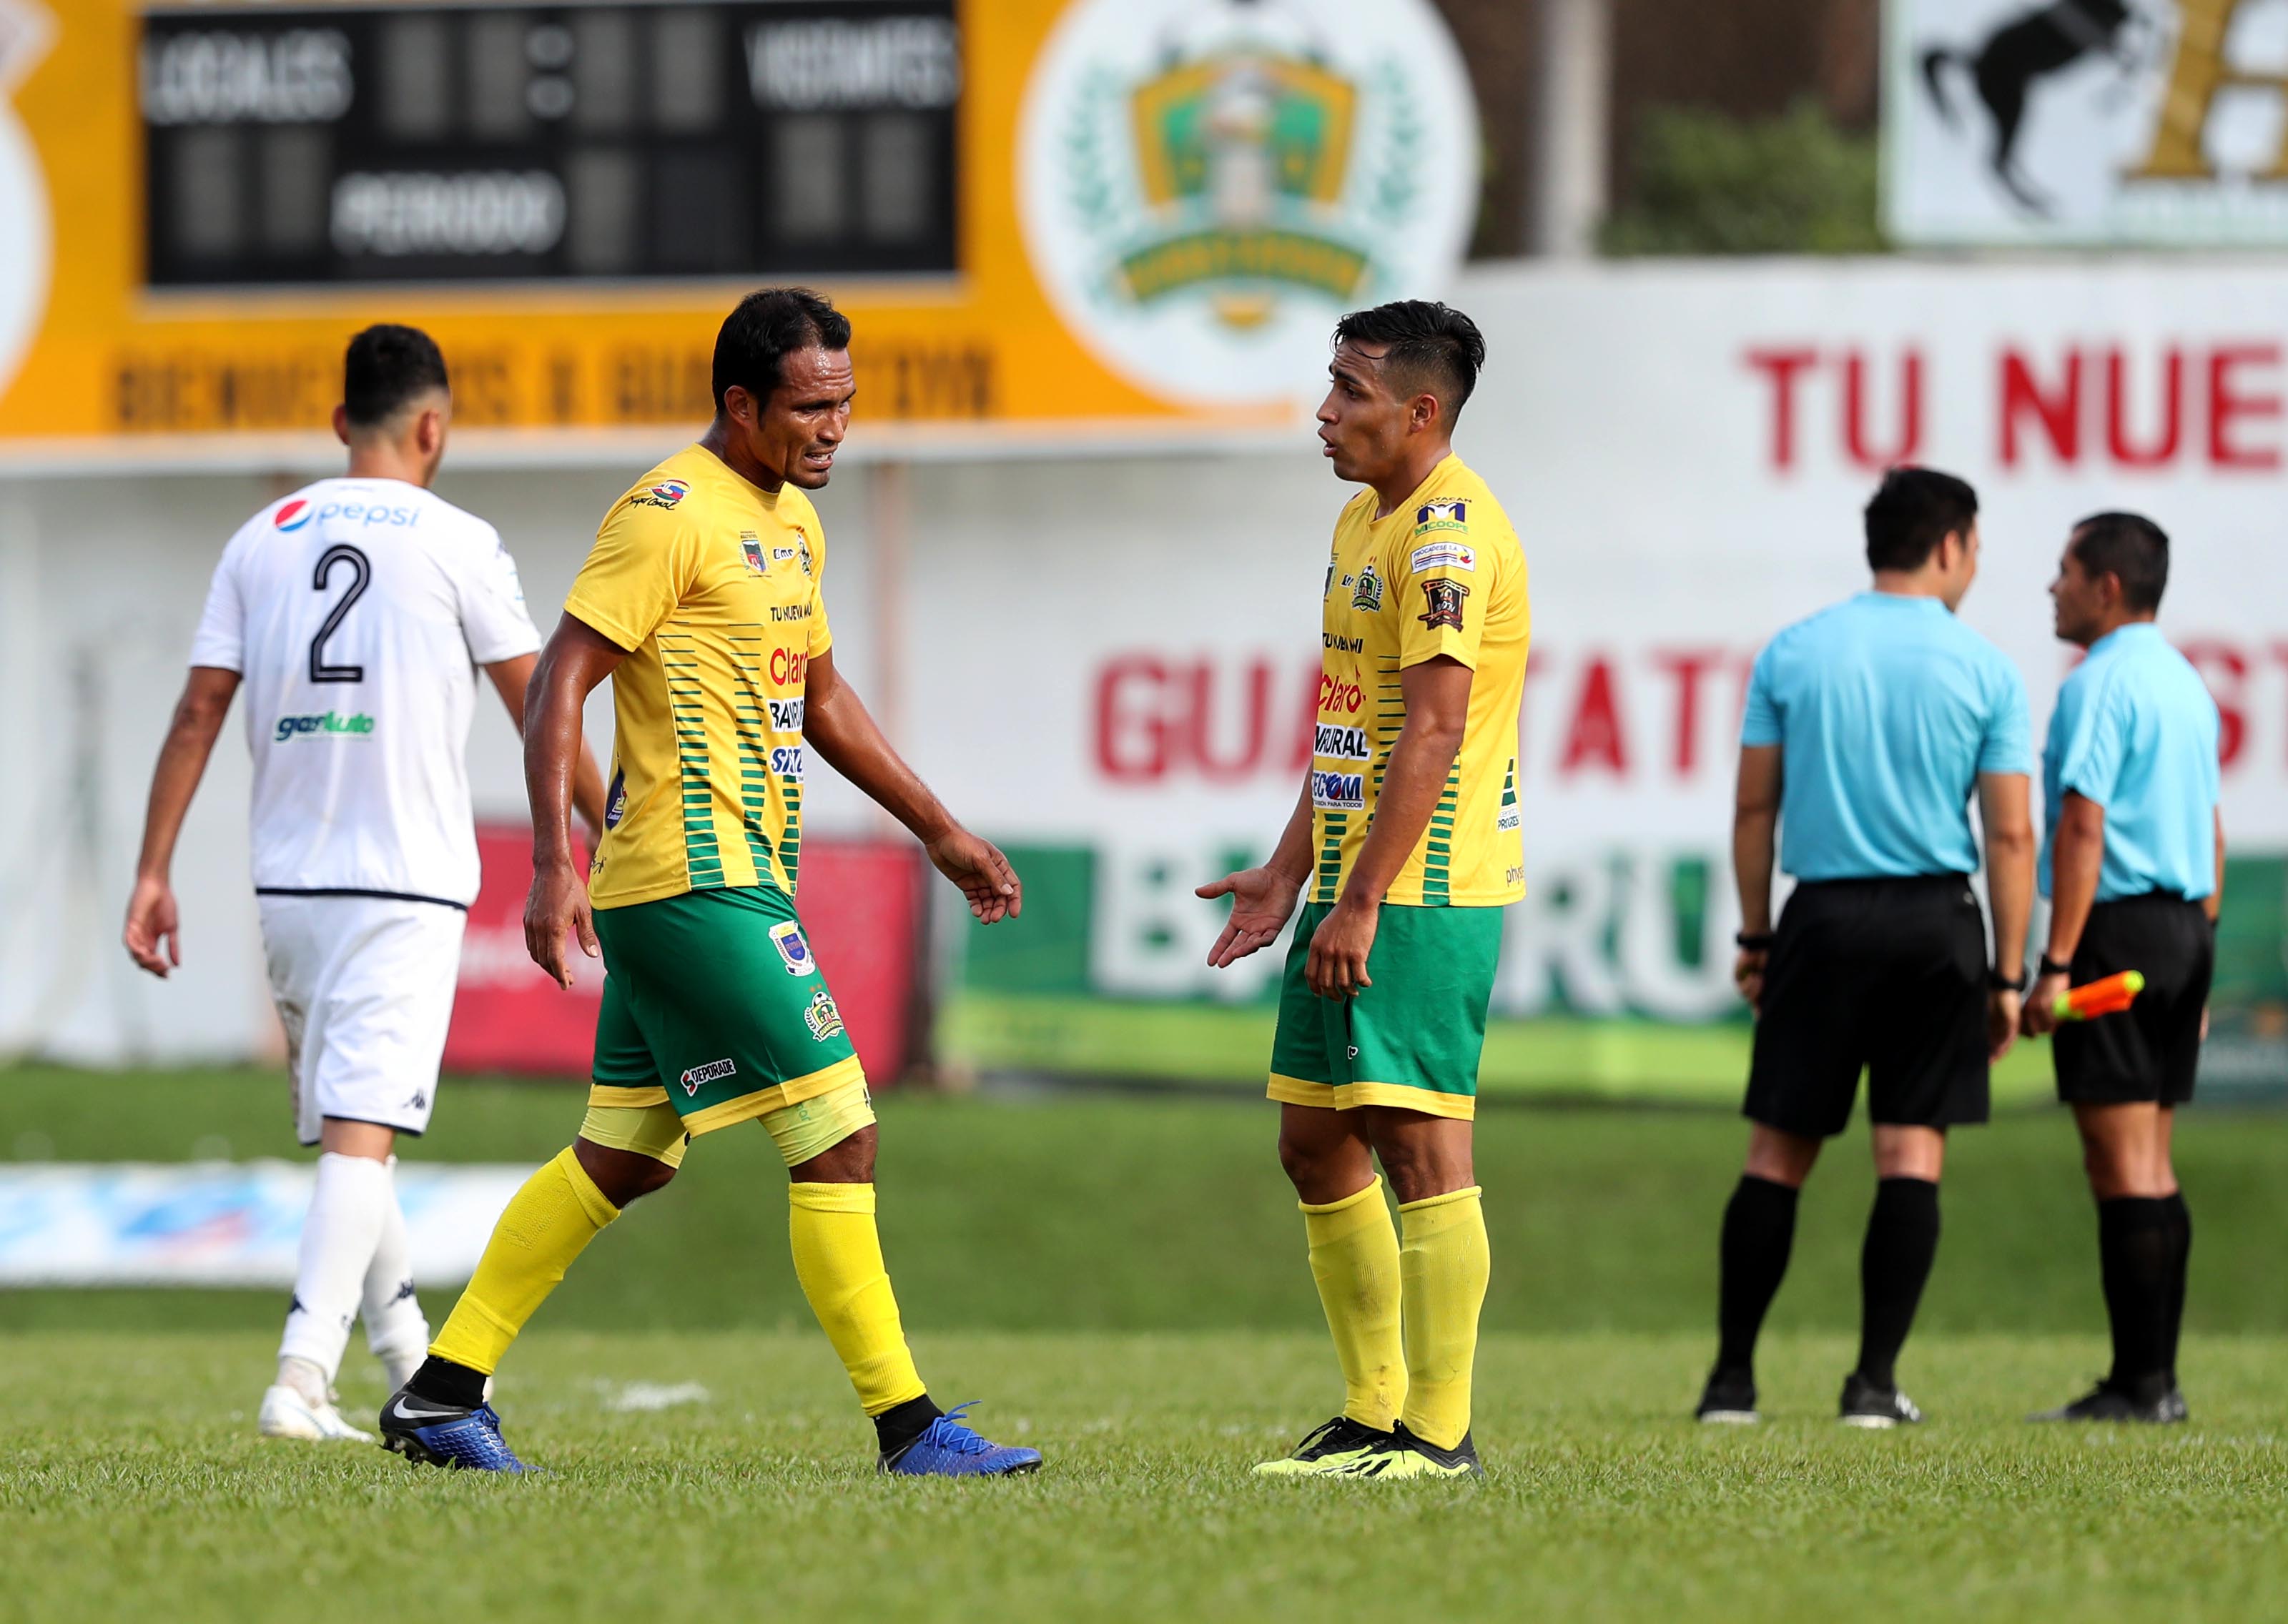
294 515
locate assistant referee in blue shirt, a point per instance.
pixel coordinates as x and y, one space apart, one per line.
2134 867
1869 727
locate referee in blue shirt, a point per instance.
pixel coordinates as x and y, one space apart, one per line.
2134 867
1869 726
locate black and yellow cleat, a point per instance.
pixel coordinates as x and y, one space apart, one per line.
1326 1450
1405 1455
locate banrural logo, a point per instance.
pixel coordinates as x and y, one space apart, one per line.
330 723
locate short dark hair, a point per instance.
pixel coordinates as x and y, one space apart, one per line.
769 325
1430 345
387 368
1912 512
2131 548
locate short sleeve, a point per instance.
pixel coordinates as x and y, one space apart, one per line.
822 635
222 639
1443 582
494 621
2095 747
1759 722
2008 745
645 561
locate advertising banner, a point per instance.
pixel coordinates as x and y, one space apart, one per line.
1122 217
2084 121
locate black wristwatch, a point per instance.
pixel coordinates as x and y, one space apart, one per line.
1997 982
1754 941
2051 966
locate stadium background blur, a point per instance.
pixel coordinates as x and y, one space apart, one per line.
1730 260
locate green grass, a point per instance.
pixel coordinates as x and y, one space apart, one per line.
1570 1060
1120 1279
131 1484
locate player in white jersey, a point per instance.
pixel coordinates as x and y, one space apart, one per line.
354 613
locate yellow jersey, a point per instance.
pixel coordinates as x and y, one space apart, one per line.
711 584
1443 573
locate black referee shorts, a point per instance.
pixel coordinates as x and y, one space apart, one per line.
1885 974
2149 1050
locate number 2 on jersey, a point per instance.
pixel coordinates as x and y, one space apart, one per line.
360 577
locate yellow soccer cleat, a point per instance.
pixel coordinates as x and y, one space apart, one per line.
1405 1455
1328 1450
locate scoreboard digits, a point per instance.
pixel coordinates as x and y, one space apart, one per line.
448 143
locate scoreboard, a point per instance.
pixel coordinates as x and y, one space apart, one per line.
441 143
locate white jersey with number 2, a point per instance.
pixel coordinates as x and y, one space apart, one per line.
357 611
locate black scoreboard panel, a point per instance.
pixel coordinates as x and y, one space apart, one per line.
449 143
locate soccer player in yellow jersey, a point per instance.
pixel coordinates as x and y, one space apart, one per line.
1407 838
701 602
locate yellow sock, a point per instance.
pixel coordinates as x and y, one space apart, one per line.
1354 1259
838 1257
1443 1263
547 1224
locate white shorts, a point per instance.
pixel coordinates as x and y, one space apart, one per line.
364 988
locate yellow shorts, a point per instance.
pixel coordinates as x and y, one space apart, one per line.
806 1128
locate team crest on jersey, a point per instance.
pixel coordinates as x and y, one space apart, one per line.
794 950
751 546
824 1019
666 494
802 549
1368 594
1445 598
1452 515
294 515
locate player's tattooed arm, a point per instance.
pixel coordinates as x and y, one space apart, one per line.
1755 833
577 659
836 720
1437 695
1262 898
154 934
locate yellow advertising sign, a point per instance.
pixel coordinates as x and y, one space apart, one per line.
199 204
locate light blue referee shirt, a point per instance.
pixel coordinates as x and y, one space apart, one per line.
2135 731
1887 708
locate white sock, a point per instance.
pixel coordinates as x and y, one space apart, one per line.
395 1328
338 1238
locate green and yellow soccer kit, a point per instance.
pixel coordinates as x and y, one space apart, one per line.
714 1009
1442 575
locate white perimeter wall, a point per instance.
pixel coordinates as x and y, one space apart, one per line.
1118 652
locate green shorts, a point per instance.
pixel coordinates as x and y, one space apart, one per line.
1413 1038
713 1004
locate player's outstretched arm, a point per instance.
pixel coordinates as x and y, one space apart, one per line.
1437 694
1261 899
2076 859
2003 803
153 935
836 720
1755 833
577 657
513 680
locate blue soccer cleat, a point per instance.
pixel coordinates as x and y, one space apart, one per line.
947 1448
428 1433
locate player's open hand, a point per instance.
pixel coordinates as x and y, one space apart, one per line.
1748 976
1261 899
154 933
1336 967
991 886
2003 1013
556 908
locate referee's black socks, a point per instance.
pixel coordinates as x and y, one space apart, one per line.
1758 1232
1902 1240
2181 1252
2138 1249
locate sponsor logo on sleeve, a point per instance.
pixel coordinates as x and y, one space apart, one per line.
751 546
824 1019
802 550
699 1076
1335 743
1443 554
1368 594
666 494
786 715
1448 515
1338 791
794 948
1445 598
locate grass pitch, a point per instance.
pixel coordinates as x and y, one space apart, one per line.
131 1484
